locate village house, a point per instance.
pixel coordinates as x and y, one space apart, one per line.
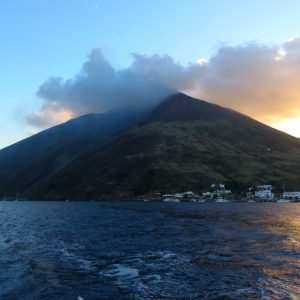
217 191
186 196
291 195
264 192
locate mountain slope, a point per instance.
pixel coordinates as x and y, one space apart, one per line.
28 163
185 144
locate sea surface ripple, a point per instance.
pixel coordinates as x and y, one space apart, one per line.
146 250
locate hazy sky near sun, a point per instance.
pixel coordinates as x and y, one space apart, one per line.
43 39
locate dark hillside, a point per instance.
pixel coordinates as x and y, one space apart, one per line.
185 144
30 162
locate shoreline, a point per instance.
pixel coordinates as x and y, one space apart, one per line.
143 200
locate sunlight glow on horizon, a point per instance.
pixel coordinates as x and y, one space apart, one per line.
290 126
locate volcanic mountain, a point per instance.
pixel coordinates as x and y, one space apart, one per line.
28 164
183 144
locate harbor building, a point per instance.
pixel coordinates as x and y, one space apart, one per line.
264 192
217 191
291 195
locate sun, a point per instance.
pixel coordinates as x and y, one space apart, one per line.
290 126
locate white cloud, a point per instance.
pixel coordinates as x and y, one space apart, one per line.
202 61
259 80
49 115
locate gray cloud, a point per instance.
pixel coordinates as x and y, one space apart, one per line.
259 80
97 88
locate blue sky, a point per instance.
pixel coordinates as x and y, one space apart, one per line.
52 38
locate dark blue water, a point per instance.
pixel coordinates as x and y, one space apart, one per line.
130 250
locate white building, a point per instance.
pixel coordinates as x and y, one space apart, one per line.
217 191
190 194
264 192
291 195
206 194
181 196
218 186
178 195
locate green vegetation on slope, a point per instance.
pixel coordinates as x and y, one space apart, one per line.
203 144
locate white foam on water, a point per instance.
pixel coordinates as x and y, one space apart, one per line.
122 271
83 263
147 273
153 278
86 265
167 255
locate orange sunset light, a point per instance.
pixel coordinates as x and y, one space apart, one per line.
290 126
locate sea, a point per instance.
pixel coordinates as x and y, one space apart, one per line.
149 250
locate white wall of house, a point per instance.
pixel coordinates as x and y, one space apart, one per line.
264 194
264 187
291 195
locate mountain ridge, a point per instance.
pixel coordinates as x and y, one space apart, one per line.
180 146
30 161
